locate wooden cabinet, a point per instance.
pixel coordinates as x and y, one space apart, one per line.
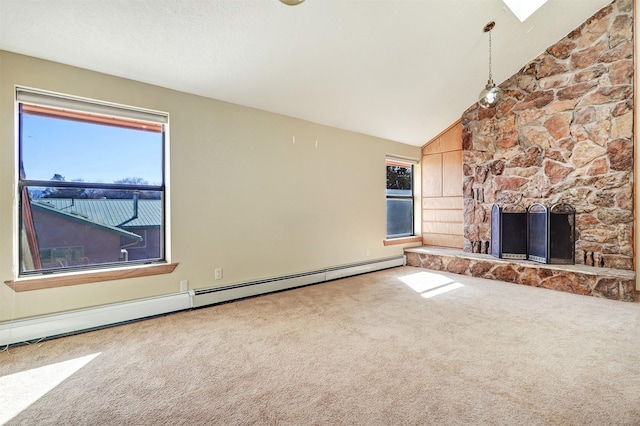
442 223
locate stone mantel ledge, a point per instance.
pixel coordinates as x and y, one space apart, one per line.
615 284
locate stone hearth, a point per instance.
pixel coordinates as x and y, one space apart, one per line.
615 284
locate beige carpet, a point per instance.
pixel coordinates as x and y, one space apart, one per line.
403 346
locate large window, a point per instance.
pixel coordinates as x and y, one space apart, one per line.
399 198
91 184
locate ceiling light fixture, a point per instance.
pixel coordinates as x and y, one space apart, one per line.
291 2
491 95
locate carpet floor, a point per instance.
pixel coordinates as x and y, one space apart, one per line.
404 346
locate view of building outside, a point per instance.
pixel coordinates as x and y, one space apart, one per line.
91 193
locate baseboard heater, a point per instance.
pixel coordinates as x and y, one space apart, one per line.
211 296
71 322
66 323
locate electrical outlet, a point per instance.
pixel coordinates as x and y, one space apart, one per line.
218 273
184 286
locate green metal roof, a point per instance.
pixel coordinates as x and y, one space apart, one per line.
79 218
108 212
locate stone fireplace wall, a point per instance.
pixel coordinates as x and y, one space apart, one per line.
563 133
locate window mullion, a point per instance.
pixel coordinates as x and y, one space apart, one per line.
90 185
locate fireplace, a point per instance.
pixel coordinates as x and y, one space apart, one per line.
563 133
540 234
551 236
508 232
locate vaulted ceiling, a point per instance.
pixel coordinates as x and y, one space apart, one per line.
397 69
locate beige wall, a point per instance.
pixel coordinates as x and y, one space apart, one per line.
242 196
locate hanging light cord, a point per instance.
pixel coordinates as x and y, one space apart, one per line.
490 95
487 29
490 76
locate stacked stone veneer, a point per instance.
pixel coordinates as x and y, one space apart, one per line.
562 133
600 282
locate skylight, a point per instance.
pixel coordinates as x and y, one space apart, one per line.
524 8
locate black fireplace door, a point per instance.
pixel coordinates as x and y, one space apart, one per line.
562 228
509 232
552 234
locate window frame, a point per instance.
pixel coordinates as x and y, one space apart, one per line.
97 112
405 237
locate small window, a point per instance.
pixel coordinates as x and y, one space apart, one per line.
399 199
91 184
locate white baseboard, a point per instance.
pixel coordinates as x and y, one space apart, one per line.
64 323
204 297
41 327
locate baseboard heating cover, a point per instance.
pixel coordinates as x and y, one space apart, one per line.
211 296
65 323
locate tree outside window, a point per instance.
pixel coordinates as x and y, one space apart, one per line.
399 199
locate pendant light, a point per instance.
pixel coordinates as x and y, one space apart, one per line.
291 2
491 95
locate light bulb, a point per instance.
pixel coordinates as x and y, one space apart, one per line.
490 96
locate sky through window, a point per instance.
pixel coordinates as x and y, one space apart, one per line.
88 152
